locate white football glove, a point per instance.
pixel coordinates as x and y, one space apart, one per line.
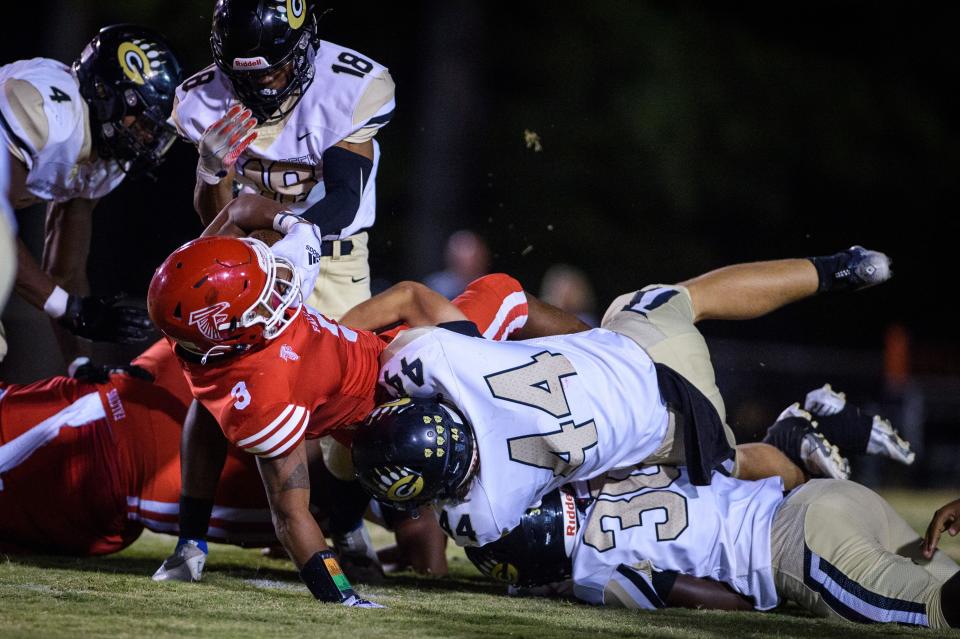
301 245
223 142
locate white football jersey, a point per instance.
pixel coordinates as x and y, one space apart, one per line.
46 125
544 412
350 98
653 517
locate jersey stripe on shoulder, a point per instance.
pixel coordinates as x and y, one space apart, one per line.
276 433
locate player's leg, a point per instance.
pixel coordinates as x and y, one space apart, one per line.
829 555
746 291
344 279
203 449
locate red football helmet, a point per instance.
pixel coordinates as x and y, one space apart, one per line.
217 294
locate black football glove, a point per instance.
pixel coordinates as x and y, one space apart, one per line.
101 319
86 371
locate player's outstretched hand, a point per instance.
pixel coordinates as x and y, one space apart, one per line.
87 371
223 142
105 319
947 519
358 602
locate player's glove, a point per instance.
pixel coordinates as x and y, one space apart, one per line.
223 142
301 245
103 319
86 371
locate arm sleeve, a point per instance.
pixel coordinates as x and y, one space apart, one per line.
345 176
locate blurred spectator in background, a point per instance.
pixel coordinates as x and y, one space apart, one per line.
467 258
568 288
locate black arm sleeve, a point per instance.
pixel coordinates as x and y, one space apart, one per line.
345 175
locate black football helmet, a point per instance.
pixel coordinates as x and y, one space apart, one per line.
255 38
412 451
127 70
534 553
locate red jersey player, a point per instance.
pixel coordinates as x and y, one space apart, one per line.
274 372
85 467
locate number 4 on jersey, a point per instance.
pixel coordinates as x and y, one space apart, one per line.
58 95
464 527
539 384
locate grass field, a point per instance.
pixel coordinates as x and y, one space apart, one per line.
246 595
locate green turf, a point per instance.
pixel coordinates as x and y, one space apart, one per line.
246 595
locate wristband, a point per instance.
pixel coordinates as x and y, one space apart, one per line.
56 304
325 580
210 178
284 221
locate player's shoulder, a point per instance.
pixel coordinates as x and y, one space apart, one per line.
41 103
201 100
356 85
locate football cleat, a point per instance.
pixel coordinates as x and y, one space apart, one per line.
823 459
796 435
886 442
358 559
824 401
853 430
185 564
865 268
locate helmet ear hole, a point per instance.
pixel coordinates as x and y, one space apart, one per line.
178 312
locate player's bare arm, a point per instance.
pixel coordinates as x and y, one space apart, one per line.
545 319
946 519
411 303
209 199
287 482
696 592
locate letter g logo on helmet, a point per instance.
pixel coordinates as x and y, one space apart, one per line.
296 13
134 62
407 487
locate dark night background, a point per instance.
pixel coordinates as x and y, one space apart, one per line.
676 138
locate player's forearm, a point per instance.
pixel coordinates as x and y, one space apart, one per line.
66 246
287 482
299 533
410 303
694 592
209 199
32 283
545 319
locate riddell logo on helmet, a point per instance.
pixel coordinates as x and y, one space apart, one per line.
569 515
243 64
208 320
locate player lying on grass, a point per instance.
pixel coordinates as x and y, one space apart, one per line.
648 538
85 465
493 427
